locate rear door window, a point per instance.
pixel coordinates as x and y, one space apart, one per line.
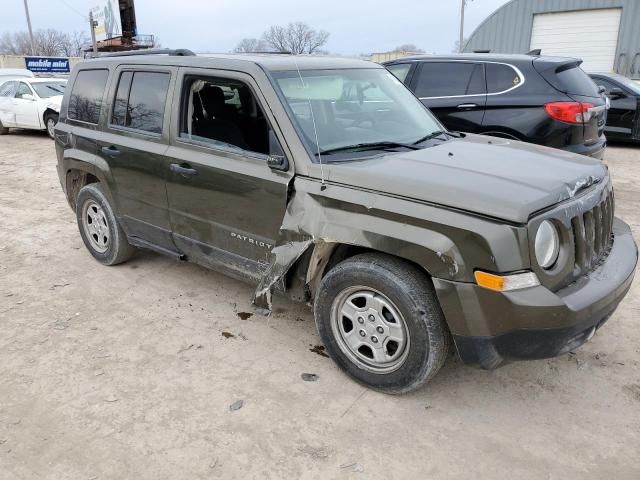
452 79
140 100
501 78
85 101
574 81
8 89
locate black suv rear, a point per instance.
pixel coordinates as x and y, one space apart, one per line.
544 100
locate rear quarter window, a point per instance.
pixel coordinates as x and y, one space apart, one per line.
501 78
85 101
574 81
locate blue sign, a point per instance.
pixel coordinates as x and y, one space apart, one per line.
47 64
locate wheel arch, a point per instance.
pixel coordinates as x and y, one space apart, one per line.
46 112
79 173
303 279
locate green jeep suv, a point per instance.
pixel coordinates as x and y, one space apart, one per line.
326 180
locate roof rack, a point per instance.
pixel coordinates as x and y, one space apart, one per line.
178 52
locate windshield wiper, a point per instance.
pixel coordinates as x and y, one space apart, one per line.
369 146
435 134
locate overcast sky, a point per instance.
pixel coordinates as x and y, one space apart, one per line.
355 26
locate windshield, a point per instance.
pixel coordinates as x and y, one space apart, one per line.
630 84
360 108
49 89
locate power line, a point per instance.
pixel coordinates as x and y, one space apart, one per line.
84 17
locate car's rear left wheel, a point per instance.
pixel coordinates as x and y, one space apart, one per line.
3 130
99 228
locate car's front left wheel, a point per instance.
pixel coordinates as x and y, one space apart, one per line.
101 233
50 121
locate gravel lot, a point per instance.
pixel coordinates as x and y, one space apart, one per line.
129 372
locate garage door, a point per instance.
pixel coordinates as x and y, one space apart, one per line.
588 34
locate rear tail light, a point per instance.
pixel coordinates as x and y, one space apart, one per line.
569 112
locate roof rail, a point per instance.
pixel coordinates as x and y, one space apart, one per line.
179 52
535 53
270 53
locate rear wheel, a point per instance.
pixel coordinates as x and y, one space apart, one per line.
380 321
50 121
100 231
3 130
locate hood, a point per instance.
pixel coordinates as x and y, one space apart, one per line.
490 176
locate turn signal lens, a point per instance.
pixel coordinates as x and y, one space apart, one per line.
505 283
569 112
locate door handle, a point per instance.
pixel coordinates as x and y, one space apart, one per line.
467 105
111 151
185 171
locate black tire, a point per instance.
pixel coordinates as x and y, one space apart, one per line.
3 130
411 292
47 118
116 249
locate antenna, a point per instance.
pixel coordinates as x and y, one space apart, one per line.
323 185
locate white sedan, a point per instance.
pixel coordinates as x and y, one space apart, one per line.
32 103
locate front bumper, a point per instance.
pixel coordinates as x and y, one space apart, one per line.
490 327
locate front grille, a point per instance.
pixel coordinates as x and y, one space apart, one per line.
593 235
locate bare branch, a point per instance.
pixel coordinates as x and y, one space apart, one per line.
296 38
251 45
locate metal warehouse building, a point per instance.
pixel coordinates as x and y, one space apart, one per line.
604 33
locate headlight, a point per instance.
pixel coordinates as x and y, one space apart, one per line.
547 244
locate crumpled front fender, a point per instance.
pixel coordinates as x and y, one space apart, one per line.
448 244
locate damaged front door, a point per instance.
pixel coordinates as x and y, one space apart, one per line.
226 204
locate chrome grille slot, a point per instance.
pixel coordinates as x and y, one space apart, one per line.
592 235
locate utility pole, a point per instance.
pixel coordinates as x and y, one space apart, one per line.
26 10
463 3
92 24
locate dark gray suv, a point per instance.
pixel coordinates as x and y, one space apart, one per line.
326 180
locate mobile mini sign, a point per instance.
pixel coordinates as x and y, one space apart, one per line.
47 64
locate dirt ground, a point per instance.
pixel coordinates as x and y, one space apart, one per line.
129 372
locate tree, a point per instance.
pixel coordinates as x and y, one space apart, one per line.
77 42
456 46
50 42
409 48
251 45
296 38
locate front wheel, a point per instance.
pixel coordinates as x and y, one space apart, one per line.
3 130
50 121
380 321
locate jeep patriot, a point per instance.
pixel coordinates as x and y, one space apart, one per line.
327 180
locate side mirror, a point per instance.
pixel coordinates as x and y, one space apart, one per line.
617 93
28 96
277 159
